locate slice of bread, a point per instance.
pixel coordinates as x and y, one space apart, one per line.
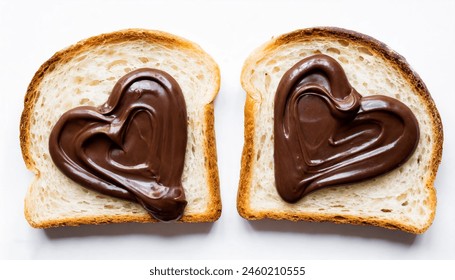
402 199
84 74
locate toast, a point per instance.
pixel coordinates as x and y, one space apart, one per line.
403 198
84 74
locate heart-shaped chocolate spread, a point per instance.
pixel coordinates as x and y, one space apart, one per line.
132 147
327 134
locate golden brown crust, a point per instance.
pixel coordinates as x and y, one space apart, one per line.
243 194
214 208
117 219
153 36
397 61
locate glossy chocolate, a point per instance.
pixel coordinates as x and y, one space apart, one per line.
132 147
327 134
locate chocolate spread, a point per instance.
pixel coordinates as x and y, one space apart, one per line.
132 147
327 134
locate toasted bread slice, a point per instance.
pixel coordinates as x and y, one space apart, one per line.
84 74
402 199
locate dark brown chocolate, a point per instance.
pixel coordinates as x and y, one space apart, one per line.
132 147
327 134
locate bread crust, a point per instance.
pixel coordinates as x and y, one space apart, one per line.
214 205
252 103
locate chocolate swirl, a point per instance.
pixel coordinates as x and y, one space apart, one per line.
132 147
327 134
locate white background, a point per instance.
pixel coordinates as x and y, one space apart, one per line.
31 32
